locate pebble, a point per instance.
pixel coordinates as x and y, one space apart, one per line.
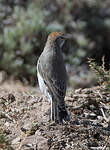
92 115
7 124
28 145
26 128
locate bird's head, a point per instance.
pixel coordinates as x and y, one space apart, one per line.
58 38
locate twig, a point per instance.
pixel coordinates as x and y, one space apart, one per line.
96 148
3 114
78 107
104 106
99 94
104 148
75 97
106 119
69 99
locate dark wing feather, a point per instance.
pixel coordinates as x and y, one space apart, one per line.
56 87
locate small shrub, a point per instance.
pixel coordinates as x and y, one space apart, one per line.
20 41
103 76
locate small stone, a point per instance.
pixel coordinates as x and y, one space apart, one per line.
100 117
92 115
42 143
25 128
38 133
28 145
86 114
78 91
7 124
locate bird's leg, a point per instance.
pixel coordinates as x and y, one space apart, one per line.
52 111
55 112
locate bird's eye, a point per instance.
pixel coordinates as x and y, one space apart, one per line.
60 41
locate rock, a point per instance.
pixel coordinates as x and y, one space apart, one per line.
16 140
92 115
100 118
28 145
11 97
7 124
36 141
42 143
26 128
77 91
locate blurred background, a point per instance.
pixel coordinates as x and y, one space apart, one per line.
25 25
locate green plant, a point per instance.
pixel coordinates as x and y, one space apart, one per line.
103 76
23 38
4 143
18 41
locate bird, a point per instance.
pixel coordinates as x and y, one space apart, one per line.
52 76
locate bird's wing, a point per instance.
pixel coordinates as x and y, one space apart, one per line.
56 87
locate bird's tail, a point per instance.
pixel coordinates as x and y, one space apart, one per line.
59 113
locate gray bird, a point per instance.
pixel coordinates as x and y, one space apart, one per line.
52 77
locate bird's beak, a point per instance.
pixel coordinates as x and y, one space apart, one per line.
67 36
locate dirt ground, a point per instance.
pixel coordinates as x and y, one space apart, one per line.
25 122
